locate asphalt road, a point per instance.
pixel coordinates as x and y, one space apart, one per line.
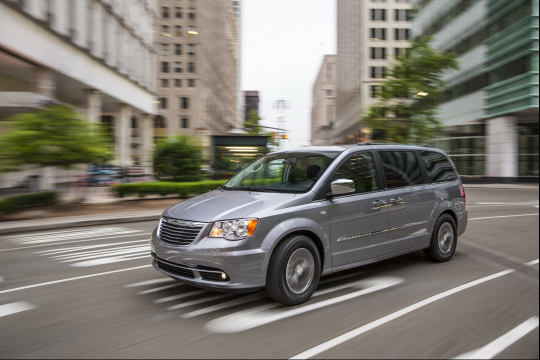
90 293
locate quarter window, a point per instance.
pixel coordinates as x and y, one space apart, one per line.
401 169
359 168
438 166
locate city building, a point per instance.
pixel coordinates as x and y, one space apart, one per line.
96 56
370 34
198 68
323 111
252 101
490 106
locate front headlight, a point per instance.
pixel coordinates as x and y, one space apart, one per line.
234 229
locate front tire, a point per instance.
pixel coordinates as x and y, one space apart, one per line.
443 240
294 271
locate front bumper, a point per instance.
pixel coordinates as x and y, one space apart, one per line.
202 263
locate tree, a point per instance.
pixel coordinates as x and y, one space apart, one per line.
252 127
407 108
178 157
56 136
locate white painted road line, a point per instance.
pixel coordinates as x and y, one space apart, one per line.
201 301
499 345
73 279
240 301
14 308
160 288
181 296
252 318
534 262
61 236
150 282
502 217
375 324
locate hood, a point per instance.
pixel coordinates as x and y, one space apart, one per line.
225 205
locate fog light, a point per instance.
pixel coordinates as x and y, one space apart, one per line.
224 276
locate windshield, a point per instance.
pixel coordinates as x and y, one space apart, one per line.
283 172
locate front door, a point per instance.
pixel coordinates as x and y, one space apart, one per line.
358 221
411 201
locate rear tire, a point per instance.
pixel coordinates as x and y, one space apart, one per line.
294 271
443 240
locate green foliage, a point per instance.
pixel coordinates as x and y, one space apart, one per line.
252 127
178 157
14 203
407 108
54 136
167 188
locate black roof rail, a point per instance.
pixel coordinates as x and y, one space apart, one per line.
371 144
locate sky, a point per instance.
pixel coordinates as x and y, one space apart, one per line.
283 46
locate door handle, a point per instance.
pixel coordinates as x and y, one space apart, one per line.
379 203
396 201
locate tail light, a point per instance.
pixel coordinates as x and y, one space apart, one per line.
464 195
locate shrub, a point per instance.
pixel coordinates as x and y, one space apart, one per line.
167 188
14 203
178 158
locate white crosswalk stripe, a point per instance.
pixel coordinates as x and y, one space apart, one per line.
15 308
60 236
94 255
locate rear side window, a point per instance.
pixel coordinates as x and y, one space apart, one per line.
438 166
401 169
359 168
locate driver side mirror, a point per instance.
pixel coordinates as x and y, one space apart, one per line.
342 187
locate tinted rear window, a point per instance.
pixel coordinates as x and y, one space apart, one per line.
438 166
401 169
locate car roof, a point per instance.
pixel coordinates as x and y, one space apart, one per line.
361 146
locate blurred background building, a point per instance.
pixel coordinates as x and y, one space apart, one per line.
490 108
96 56
370 33
323 112
252 101
198 68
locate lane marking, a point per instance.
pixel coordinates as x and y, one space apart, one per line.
68 235
14 308
160 288
388 318
73 279
497 346
181 296
502 217
109 260
200 301
252 318
256 297
56 252
534 262
150 282
73 242
499 204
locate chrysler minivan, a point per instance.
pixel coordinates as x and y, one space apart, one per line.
291 217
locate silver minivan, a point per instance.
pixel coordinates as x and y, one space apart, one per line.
291 217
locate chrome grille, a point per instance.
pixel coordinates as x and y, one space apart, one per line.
179 232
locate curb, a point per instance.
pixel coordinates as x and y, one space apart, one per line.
76 223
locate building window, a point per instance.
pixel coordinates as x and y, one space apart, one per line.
192 49
375 91
401 51
177 30
378 34
165 83
330 113
402 34
134 123
191 68
329 72
184 103
165 12
184 123
402 15
191 83
164 67
178 49
378 14
165 49
378 1
191 15
178 83
178 67
165 30
163 103
378 53
378 72
403 1
178 12
329 93
159 122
